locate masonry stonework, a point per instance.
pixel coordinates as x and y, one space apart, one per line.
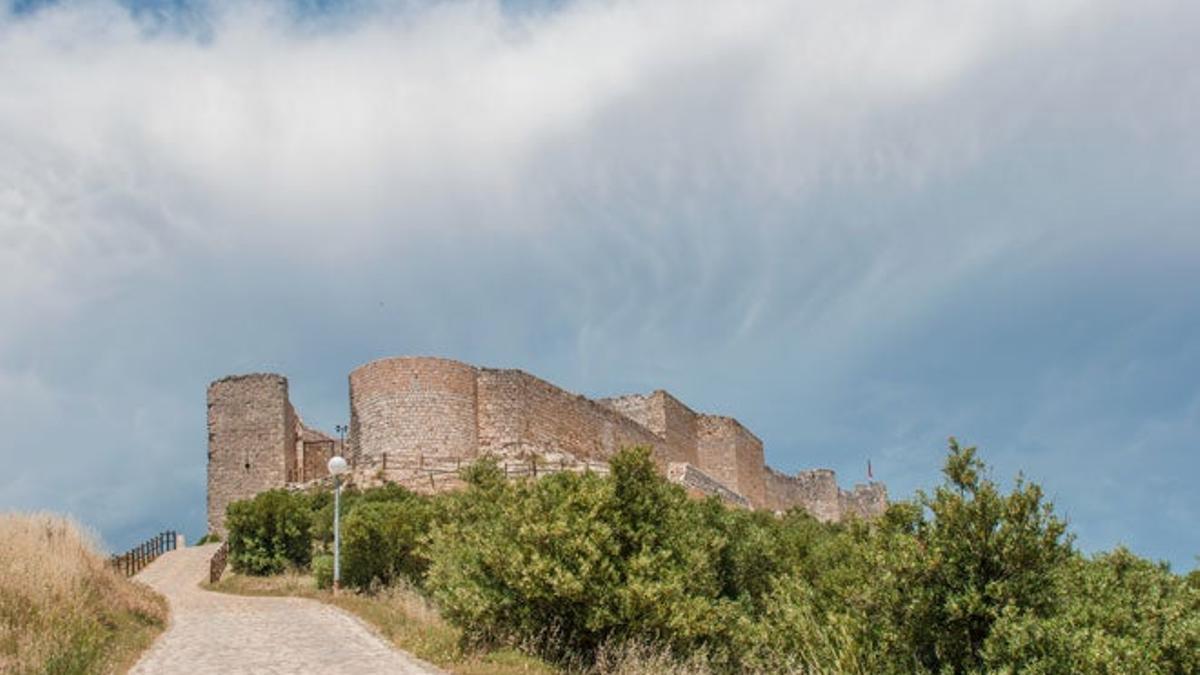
524 415
418 420
410 406
248 440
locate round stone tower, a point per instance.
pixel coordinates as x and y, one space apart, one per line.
410 406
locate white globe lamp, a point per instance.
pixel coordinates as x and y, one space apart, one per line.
337 466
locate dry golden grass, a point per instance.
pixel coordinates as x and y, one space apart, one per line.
634 658
62 609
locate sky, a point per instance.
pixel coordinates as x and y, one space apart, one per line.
858 227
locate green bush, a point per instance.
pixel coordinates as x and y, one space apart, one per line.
322 568
209 538
973 556
967 579
1120 614
572 562
269 533
320 505
381 538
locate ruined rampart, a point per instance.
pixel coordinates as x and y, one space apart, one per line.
522 415
728 452
418 420
673 423
406 406
700 484
817 491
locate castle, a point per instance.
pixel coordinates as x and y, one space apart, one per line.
417 420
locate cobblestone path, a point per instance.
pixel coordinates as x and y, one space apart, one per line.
226 634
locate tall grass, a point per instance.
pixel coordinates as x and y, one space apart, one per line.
62 608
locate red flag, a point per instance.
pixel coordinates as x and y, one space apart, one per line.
869 474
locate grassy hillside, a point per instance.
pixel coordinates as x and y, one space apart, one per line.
62 609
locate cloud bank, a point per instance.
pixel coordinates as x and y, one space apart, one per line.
859 228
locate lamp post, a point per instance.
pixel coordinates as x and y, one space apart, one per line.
337 467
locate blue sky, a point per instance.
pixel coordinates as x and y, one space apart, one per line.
859 228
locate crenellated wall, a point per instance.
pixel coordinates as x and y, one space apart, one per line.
422 418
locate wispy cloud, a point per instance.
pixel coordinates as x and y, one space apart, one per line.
859 228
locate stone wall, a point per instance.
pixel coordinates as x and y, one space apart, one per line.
417 420
637 407
728 452
817 491
251 432
520 414
671 421
500 419
316 456
700 484
865 501
410 406
680 427
292 427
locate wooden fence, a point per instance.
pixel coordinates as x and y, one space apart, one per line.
135 559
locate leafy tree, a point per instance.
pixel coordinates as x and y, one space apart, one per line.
979 555
1120 614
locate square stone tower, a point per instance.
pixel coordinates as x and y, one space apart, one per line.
251 440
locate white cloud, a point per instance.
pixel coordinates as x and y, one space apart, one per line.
761 198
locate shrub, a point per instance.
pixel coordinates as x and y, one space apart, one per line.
381 538
269 533
794 635
979 555
1120 614
322 568
571 562
209 538
584 568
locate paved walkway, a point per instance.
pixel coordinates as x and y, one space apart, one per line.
225 634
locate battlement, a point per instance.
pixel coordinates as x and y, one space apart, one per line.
417 420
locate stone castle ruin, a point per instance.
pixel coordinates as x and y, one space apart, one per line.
417 421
